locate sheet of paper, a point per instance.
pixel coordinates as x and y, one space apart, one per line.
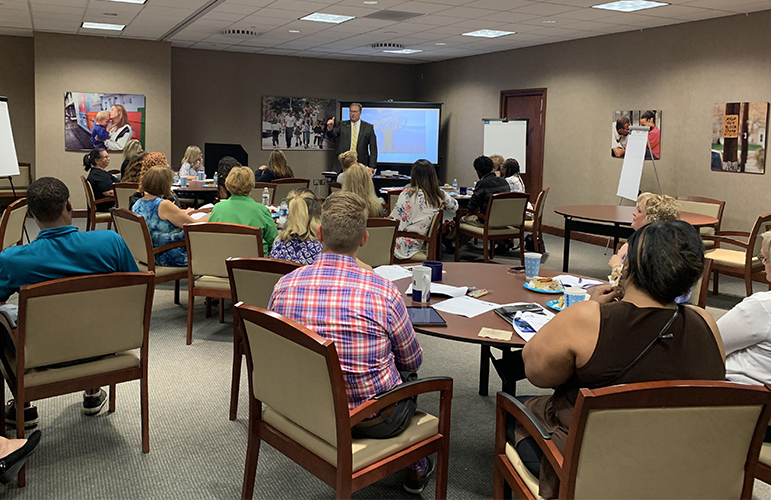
569 280
535 322
208 205
465 306
444 290
393 273
198 215
492 333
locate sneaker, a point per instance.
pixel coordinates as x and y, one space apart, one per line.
92 404
31 418
415 481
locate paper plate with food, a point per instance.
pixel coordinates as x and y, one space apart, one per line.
556 304
543 285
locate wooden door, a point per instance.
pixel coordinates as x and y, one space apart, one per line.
530 104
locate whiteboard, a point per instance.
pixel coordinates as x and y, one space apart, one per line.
9 164
507 138
631 171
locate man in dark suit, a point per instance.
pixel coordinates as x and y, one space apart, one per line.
344 133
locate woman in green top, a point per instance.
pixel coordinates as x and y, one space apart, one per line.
240 208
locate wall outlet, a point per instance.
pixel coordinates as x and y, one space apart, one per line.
322 181
315 182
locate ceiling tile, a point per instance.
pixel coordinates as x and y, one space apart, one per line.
421 7
544 9
499 4
466 13
510 17
15 31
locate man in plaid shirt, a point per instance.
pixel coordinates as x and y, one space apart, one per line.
363 314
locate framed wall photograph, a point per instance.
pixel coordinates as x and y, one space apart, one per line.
296 123
739 137
102 121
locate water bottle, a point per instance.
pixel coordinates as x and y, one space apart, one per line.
176 178
215 177
265 197
283 211
455 185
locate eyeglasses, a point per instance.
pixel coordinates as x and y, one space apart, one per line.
763 259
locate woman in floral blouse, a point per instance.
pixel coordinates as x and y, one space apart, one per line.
416 207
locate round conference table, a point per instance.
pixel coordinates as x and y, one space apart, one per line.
196 188
610 220
504 288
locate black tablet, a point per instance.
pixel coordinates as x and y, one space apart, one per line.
425 316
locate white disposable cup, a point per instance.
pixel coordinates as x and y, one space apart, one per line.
183 181
574 294
532 264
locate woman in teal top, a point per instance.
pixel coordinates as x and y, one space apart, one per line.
240 208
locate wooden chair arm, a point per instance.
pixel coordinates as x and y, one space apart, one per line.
729 241
168 246
464 211
743 234
509 405
401 391
416 236
104 200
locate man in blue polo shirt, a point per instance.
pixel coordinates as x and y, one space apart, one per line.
59 251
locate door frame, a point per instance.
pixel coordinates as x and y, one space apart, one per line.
537 178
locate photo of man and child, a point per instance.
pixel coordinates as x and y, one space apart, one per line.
102 121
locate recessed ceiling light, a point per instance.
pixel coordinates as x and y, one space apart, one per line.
326 18
369 2
103 26
441 43
489 33
294 31
549 22
129 1
629 5
403 51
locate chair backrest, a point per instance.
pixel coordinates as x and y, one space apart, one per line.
506 209
50 333
287 185
699 290
540 203
21 181
256 193
393 195
12 224
123 191
379 249
674 439
295 372
703 206
89 190
252 279
210 244
133 230
335 186
433 249
762 225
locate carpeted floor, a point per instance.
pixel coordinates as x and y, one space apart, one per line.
196 452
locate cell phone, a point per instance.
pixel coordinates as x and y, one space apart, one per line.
524 326
517 269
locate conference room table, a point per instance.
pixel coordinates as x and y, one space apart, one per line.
195 188
504 288
610 220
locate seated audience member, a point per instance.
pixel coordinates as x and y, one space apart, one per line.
164 219
489 184
298 241
358 180
226 164
746 332
149 161
416 206
59 251
192 162
363 314
133 147
643 337
240 207
510 172
277 168
14 454
96 163
497 164
134 168
347 159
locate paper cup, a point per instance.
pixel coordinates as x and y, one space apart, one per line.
183 181
532 264
201 176
574 295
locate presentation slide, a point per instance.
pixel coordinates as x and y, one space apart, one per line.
404 134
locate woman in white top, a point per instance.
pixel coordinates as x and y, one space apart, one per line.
746 332
192 163
416 206
510 171
120 131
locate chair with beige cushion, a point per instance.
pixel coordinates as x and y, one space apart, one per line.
63 343
287 185
379 249
534 225
504 220
672 439
433 249
133 230
701 287
335 186
763 471
209 245
704 206
93 217
251 282
123 191
258 189
12 224
296 374
392 198
21 182
742 263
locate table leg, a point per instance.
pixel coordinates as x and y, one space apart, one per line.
566 248
484 369
615 238
510 368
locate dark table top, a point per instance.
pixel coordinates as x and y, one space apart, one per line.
623 215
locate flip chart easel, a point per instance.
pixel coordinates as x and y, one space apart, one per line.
634 159
9 163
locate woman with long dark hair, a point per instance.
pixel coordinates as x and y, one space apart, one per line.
95 163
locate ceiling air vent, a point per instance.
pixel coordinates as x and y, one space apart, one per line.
396 16
240 33
387 45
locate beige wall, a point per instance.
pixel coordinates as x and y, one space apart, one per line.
217 97
682 69
95 64
17 83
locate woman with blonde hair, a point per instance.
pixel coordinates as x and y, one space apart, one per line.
497 162
192 163
132 148
277 168
347 159
358 180
241 208
297 242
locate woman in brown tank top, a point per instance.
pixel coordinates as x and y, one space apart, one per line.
643 337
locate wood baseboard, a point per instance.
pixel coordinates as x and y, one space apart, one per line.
592 239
